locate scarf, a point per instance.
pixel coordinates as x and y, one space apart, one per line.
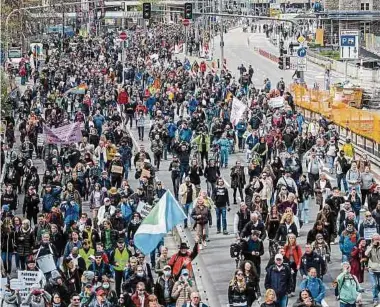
240 285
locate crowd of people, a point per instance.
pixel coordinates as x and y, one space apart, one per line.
75 223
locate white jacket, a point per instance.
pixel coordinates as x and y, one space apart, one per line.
102 211
99 150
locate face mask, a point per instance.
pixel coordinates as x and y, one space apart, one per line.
140 274
167 273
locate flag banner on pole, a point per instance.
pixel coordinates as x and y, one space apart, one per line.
165 215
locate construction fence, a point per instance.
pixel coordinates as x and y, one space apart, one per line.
363 123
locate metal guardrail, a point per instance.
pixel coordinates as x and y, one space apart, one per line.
374 157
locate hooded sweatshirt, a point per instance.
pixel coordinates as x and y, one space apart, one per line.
316 287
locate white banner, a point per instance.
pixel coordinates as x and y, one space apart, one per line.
28 278
277 102
237 110
67 134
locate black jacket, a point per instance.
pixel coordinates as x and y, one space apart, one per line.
250 227
283 232
312 260
31 204
159 290
279 280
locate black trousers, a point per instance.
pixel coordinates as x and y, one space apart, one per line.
119 277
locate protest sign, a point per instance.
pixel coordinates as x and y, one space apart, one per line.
237 110
29 278
277 102
17 284
144 209
65 135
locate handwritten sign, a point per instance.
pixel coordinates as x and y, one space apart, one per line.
40 139
67 134
116 169
369 232
277 102
17 284
237 110
144 209
29 279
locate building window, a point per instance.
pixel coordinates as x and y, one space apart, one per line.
366 5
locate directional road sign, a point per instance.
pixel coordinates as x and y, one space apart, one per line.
301 52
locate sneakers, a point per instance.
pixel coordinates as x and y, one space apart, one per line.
218 231
225 232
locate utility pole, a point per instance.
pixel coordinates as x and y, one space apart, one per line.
221 34
63 27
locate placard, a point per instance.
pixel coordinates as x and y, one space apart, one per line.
40 139
17 284
145 174
277 102
117 169
369 232
46 263
29 278
144 209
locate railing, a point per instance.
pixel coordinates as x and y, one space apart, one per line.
363 127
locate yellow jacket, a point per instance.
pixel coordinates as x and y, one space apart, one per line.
349 150
111 151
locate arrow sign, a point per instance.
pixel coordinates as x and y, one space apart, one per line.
301 52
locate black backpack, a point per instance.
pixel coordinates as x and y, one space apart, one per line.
235 250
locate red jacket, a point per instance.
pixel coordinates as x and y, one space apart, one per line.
136 300
203 67
141 108
297 253
122 98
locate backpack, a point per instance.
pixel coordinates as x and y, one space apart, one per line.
235 250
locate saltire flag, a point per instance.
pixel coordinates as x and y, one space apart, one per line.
165 215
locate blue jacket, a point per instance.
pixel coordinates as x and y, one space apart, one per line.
71 212
300 120
160 192
345 243
193 103
150 103
224 143
49 199
316 287
172 128
241 128
126 210
98 120
126 153
185 135
251 141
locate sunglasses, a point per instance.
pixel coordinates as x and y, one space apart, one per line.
368 215
98 257
239 274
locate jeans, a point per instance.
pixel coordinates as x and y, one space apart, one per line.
339 179
303 211
375 281
330 162
141 133
153 253
282 301
126 169
7 262
347 305
312 179
187 209
210 188
221 214
176 183
184 170
224 157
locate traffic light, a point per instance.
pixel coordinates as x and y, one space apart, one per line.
281 63
287 62
188 11
147 10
